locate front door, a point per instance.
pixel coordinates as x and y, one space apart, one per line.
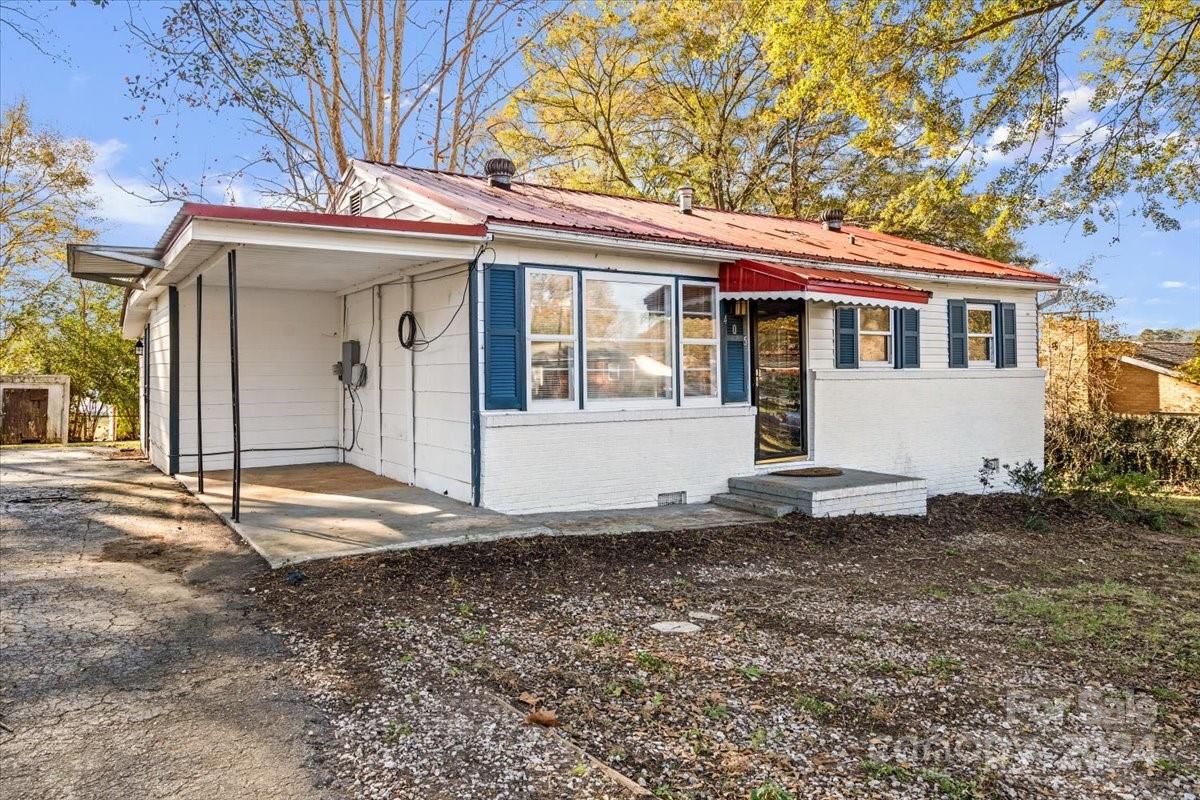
777 364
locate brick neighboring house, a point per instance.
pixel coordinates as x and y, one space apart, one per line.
1085 372
1148 381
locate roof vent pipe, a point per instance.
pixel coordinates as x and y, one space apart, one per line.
499 172
685 195
831 219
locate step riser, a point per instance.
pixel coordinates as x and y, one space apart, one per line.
753 505
782 493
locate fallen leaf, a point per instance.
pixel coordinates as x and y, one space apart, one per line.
528 698
542 716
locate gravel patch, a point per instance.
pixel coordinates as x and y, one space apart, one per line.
966 655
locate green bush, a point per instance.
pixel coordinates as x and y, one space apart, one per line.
1080 447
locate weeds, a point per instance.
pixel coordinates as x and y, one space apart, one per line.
602 638
813 706
770 791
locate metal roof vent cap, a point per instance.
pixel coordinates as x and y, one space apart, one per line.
499 172
831 219
685 194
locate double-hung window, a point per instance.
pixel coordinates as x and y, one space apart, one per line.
553 361
981 335
628 324
874 337
699 340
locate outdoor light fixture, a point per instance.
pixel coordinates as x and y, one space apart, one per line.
139 348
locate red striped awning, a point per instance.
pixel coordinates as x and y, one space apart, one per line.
765 280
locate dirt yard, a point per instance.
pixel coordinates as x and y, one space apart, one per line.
988 651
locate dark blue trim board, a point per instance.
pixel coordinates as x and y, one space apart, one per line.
173 380
473 338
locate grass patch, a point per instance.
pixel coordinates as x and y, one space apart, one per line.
813 706
752 672
770 791
1130 624
602 638
649 661
944 667
883 771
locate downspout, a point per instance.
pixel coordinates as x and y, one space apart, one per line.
476 437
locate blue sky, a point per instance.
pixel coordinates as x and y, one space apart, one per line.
1154 275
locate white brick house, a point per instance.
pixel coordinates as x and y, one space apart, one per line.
531 349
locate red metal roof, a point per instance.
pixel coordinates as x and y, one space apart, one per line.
589 212
190 211
746 276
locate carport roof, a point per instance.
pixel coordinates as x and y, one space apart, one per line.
127 266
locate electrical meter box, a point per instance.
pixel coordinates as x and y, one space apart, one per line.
350 356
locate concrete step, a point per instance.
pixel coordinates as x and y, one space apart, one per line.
852 492
753 505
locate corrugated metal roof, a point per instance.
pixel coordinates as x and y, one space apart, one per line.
590 212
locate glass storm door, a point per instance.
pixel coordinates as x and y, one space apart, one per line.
778 354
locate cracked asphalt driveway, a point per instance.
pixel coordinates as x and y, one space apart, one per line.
132 662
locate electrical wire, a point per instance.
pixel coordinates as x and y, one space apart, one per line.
422 343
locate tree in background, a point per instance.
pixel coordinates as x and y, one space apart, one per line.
319 83
957 122
640 98
1082 101
45 203
50 323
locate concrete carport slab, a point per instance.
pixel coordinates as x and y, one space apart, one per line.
305 512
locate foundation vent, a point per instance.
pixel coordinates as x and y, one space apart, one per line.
672 499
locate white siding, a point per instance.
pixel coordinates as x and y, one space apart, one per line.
158 350
443 390
935 341
360 415
289 395
441 429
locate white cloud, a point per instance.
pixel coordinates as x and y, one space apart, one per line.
122 196
1174 285
1078 102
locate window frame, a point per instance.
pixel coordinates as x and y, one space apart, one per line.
684 341
889 339
990 362
572 338
614 403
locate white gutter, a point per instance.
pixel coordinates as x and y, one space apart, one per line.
707 253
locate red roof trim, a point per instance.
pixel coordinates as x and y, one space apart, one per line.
746 275
275 216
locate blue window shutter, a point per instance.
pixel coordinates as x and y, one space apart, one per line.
846 337
956 312
503 338
908 338
1006 336
734 383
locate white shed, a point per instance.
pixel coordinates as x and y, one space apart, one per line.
35 408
